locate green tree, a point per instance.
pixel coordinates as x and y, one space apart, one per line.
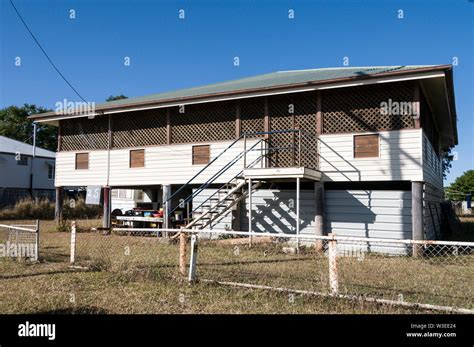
14 123
447 162
116 97
461 186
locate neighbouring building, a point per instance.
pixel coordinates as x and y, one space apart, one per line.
354 151
23 176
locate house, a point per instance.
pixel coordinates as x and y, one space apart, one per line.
24 174
354 151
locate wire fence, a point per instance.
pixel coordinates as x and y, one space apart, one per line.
436 275
427 274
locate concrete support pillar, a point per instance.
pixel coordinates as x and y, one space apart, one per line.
106 191
58 207
166 206
319 214
417 216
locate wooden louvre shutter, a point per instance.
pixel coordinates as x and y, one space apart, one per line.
137 158
82 161
366 146
201 154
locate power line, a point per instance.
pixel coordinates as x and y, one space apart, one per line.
44 52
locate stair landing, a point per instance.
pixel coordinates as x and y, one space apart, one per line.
282 173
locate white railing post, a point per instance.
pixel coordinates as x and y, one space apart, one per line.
245 151
332 257
73 242
298 214
192 262
250 212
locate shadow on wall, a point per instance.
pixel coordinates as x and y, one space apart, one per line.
275 212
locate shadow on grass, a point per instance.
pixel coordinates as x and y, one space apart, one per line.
42 273
76 310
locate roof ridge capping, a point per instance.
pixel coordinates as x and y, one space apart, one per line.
388 67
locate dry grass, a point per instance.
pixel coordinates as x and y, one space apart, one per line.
136 274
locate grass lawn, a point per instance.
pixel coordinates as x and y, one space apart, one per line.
131 274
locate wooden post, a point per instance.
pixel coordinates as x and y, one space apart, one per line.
73 243
58 207
417 216
37 237
193 259
106 208
238 120
168 126
332 256
319 214
319 114
182 253
416 106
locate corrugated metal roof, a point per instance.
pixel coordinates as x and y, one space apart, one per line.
8 145
268 80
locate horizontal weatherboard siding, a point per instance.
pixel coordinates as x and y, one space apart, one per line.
399 158
164 165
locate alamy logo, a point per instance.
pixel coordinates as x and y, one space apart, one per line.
399 108
22 250
37 330
70 107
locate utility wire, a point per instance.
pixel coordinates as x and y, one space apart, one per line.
44 52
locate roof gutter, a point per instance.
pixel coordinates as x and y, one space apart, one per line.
49 116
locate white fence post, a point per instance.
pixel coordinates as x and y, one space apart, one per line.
73 242
332 256
192 262
182 253
37 239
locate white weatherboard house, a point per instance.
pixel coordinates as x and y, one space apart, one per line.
354 151
22 176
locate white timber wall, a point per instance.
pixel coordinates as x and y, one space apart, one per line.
275 211
13 175
433 193
432 165
163 165
384 214
400 158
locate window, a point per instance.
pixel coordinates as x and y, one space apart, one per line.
137 158
82 161
201 154
51 172
366 146
21 159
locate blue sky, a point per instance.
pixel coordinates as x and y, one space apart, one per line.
169 53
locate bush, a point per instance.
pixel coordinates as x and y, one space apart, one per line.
44 209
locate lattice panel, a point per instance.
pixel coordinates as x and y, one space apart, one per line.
141 128
305 118
282 146
358 109
294 111
203 122
81 134
252 115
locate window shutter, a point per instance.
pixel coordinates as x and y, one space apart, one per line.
201 154
137 158
82 161
366 146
